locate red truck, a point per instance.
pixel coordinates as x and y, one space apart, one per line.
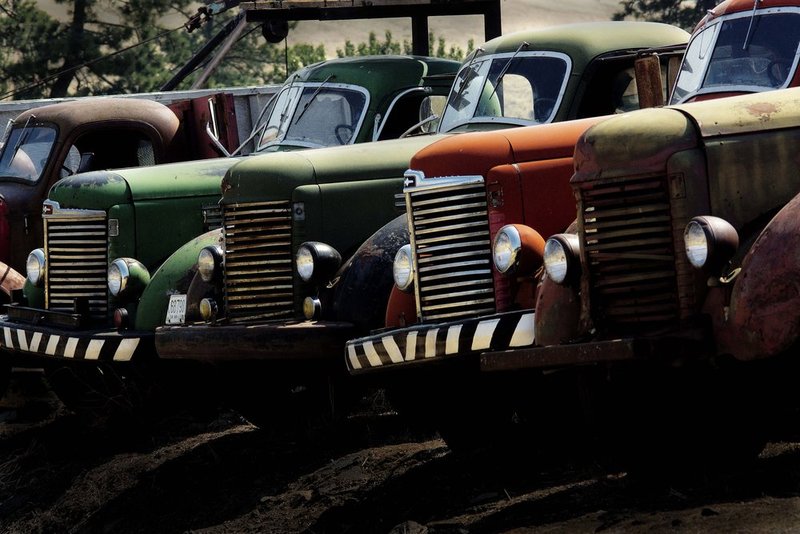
469 307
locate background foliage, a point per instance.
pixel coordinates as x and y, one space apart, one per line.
42 57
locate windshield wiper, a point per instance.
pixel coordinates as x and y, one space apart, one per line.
467 78
750 26
26 132
523 44
313 96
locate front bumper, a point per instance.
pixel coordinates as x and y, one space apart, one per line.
68 344
672 351
306 340
436 342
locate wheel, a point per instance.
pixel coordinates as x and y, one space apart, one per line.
777 71
680 423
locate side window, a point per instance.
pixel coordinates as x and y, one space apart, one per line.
611 89
518 98
412 109
116 149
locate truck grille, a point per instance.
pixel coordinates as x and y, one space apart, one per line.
452 249
258 261
77 263
630 254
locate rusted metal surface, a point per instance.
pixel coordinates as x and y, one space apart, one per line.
619 350
764 315
648 80
557 313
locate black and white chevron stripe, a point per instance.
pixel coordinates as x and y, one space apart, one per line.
103 347
437 341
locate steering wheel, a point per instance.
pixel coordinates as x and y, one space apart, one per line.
778 70
348 130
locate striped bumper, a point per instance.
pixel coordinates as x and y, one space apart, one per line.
50 343
436 342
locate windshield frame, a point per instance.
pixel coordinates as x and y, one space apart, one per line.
7 136
292 110
713 28
486 119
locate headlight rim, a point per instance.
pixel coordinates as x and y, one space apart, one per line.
408 252
217 256
325 261
512 234
570 246
41 260
124 272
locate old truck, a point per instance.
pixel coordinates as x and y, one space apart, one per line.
258 299
47 143
105 232
465 298
673 302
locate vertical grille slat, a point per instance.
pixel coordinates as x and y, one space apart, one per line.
628 246
258 261
452 250
77 262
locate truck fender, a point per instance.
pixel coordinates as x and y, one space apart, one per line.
557 315
365 281
764 315
558 308
10 280
173 277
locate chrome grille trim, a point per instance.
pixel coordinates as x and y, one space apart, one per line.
76 248
258 261
629 252
450 237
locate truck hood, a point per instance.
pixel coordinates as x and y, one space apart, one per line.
275 176
103 189
634 143
477 153
770 110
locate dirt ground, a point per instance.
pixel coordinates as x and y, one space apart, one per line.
219 474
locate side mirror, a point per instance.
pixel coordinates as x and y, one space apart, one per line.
648 81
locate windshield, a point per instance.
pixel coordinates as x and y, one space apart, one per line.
25 151
741 53
314 115
515 88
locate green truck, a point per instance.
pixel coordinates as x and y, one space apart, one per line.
86 297
673 302
270 293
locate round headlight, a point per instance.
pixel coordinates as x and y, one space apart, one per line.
561 257
317 262
304 260
403 268
507 245
209 262
694 239
710 243
35 266
118 275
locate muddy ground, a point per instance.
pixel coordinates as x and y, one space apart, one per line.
219 474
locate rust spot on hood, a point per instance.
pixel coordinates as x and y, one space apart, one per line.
763 110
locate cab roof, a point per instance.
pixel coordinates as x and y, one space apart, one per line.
74 114
585 41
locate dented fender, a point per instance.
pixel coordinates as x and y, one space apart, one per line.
173 277
364 283
763 319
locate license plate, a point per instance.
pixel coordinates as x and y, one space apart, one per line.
176 311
